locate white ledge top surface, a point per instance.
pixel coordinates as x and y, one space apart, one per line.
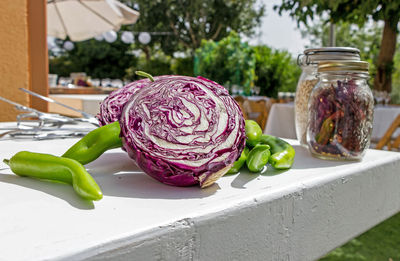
144 218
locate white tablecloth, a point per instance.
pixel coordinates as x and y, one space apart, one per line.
281 120
383 117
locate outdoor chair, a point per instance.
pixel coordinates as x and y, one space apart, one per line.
259 109
241 100
387 139
256 110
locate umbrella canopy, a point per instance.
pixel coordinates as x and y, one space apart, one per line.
85 19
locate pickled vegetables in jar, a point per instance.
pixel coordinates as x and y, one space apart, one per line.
340 111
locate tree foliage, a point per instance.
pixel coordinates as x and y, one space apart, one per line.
276 71
98 59
365 38
229 62
356 11
233 62
353 11
158 64
189 22
175 25
395 95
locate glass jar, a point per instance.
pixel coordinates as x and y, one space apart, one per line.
308 79
341 108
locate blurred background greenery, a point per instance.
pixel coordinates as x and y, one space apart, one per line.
208 38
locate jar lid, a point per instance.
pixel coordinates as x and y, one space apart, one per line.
355 66
315 55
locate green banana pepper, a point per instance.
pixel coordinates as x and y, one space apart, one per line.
253 133
49 167
327 128
282 153
326 132
258 157
239 162
95 143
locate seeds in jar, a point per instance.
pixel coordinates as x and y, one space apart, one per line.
301 109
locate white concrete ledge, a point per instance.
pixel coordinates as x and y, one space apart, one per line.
299 214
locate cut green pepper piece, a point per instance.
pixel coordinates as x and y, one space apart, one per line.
258 157
282 153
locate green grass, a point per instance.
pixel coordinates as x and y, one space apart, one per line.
377 244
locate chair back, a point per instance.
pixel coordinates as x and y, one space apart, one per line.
259 109
387 139
256 110
241 100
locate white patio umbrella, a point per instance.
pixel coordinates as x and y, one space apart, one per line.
85 19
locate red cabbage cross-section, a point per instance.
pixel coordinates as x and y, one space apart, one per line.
111 107
182 130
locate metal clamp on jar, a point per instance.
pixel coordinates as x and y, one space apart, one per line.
340 111
308 79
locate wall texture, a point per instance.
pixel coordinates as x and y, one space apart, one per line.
23 54
38 58
14 58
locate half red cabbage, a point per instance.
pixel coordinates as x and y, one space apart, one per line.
111 107
182 130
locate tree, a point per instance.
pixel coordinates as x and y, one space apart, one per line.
356 11
98 59
175 25
395 95
276 71
189 22
158 64
233 62
365 38
229 62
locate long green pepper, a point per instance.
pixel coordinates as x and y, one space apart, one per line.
258 157
95 143
49 167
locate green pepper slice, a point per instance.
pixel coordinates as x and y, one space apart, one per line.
282 153
258 157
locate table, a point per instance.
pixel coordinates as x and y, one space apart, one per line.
299 214
89 103
383 117
281 121
81 90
